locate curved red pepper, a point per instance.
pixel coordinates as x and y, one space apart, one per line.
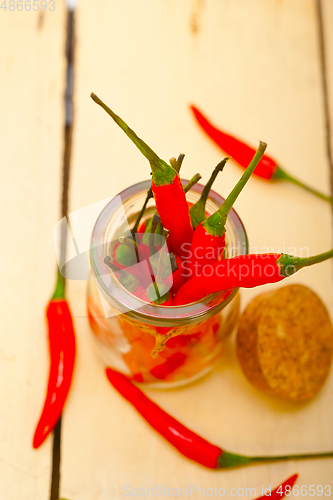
62 356
240 152
205 249
245 271
187 442
178 277
166 186
267 169
173 209
280 491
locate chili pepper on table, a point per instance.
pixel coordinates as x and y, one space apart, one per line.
281 490
61 338
187 442
247 271
267 169
168 191
209 236
197 211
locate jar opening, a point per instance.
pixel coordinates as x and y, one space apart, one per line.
116 219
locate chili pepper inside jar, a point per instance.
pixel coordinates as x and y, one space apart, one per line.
155 344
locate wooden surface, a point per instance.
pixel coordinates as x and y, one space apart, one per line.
254 68
31 130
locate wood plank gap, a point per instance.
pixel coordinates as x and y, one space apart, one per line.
68 129
323 68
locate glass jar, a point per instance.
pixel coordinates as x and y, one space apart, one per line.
162 346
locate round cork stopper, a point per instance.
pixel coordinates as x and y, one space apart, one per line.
285 343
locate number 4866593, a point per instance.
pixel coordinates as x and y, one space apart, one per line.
311 490
27 5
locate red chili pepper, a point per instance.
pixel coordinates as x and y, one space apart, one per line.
175 216
242 153
62 356
245 271
169 366
209 236
178 276
144 251
184 340
167 188
187 442
281 490
142 227
138 292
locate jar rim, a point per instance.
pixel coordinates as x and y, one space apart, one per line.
126 303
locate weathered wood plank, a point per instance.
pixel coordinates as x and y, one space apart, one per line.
254 69
31 131
327 35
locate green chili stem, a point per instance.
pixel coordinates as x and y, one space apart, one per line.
215 224
227 459
59 292
281 174
176 164
289 264
158 283
162 172
111 265
124 240
129 243
139 217
197 211
196 178
154 223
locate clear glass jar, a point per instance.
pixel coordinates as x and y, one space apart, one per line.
162 346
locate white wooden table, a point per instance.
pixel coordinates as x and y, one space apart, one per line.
254 67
